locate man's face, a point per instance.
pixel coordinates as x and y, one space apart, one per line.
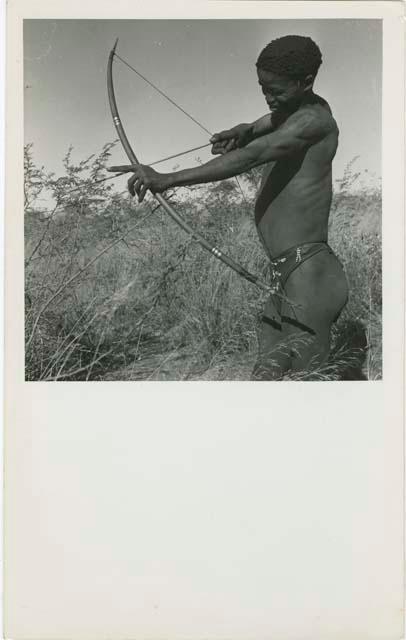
281 94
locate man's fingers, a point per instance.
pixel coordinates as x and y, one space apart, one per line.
132 184
222 136
230 145
217 147
224 146
138 185
141 193
142 179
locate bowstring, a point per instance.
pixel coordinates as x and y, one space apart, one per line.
199 124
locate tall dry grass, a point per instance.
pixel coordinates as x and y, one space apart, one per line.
116 291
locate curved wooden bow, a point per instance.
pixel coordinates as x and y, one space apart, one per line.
168 208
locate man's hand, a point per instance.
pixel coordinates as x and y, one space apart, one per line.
144 179
230 139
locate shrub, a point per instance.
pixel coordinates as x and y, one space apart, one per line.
116 291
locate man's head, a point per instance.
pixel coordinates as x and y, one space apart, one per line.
286 71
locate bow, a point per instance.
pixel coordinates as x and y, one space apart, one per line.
165 205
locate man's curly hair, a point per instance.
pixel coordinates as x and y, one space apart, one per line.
292 56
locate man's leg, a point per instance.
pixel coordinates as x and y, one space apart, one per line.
308 351
273 354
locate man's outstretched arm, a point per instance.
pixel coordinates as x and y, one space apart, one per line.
299 132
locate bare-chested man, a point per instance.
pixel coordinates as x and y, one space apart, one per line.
296 144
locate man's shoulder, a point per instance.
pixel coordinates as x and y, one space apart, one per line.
317 116
319 108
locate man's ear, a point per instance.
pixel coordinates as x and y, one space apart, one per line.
307 83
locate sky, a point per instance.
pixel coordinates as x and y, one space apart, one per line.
206 66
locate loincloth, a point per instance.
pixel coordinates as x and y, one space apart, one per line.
283 265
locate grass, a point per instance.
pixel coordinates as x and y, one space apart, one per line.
115 291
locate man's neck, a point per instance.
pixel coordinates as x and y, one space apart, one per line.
307 98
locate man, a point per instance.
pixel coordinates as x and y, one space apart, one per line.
296 143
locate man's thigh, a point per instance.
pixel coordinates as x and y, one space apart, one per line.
272 338
317 291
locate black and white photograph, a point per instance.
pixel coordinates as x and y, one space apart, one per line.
203 200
